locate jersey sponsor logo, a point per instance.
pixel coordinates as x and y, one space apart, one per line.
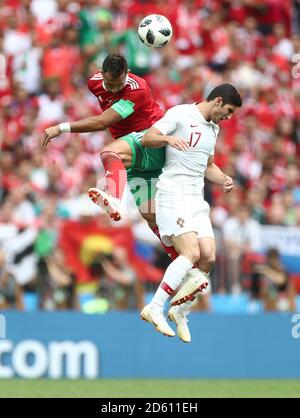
194 126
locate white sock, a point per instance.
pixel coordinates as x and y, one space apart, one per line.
173 276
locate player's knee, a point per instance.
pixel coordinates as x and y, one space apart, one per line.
107 154
111 152
209 259
118 147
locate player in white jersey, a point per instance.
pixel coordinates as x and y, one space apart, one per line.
182 214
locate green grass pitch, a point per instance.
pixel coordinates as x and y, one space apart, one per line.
147 388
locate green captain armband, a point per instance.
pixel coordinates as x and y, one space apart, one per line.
124 107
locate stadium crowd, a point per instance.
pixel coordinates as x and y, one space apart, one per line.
56 250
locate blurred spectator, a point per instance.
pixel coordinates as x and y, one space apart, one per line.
23 211
127 289
15 40
62 60
51 103
255 202
137 54
273 284
43 10
27 67
56 284
241 236
11 295
293 181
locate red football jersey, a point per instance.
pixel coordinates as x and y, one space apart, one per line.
137 92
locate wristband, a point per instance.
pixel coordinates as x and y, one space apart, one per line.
65 127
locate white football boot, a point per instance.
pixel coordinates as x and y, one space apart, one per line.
194 282
155 316
178 315
110 204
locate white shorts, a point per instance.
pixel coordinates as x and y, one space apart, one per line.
177 215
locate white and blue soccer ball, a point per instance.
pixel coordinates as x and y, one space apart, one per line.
155 31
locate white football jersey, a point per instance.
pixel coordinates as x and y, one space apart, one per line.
184 170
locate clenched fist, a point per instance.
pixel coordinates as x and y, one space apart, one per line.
228 184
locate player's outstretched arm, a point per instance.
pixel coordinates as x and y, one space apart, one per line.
214 174
91 124
153 138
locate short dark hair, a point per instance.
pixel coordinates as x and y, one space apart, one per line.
115 64
229 94
273 253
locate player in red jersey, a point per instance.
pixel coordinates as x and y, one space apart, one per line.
128 111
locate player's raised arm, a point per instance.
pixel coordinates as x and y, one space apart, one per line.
91 124
155 139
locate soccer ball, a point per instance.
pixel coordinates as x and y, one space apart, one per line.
155 31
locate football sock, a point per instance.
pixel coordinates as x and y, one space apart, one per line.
172 278
115 173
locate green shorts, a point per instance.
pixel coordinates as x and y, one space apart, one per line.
147 164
